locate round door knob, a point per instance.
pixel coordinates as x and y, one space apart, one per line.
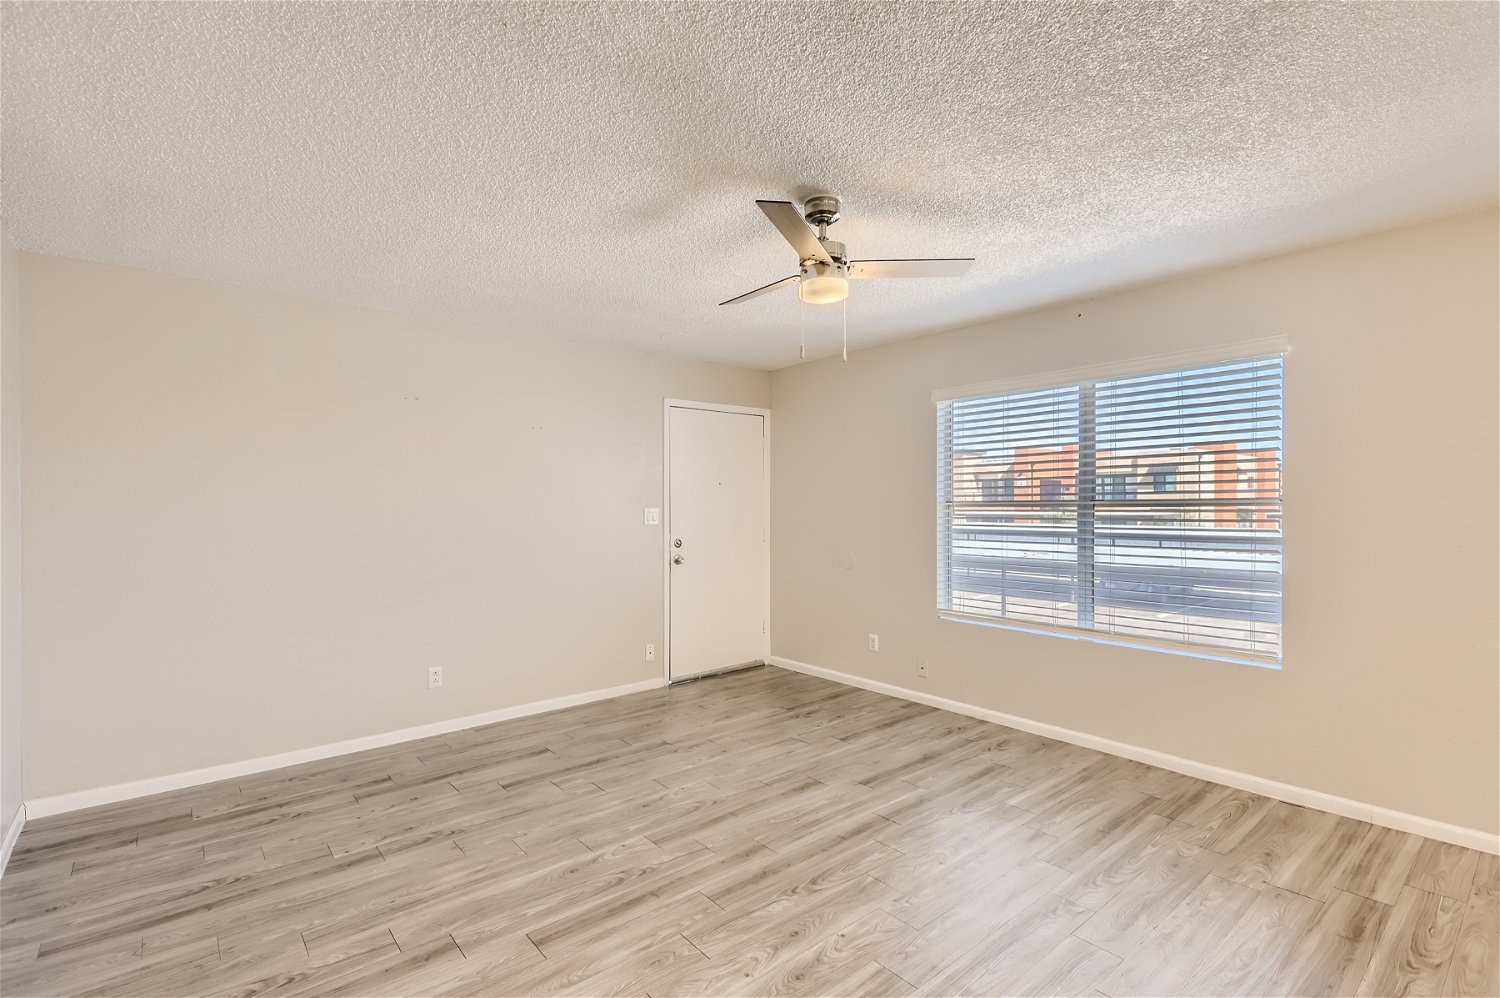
677 559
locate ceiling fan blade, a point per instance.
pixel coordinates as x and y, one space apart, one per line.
785 216
910 268
760 291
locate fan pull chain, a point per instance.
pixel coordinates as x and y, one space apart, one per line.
846 330
801 331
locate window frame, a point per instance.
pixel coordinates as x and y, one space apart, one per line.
1157 363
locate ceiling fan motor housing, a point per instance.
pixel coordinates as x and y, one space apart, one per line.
833 248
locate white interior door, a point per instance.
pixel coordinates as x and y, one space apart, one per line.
718 581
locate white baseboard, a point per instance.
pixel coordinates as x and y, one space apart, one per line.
12 832
44 806
1471 838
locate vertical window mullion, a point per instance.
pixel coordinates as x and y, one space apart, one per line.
1083 493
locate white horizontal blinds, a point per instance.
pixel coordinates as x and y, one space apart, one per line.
1187 500
1012 528
1147 507
945 506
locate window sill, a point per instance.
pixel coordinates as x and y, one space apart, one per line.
1095 637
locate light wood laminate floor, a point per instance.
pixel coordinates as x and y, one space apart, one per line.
758 833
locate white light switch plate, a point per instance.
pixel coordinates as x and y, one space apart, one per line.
653 516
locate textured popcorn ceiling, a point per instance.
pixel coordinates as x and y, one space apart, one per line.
590 170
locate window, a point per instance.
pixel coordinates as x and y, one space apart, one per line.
1146 508
997 489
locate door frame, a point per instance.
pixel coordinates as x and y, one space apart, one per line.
668 404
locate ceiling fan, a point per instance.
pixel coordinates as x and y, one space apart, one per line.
825 270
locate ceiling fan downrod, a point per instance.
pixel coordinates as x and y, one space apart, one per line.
821 211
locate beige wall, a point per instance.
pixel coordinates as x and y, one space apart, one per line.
252 520
1389 691
10 530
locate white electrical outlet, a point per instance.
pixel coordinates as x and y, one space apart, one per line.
434 676
922 669
874 642
651 653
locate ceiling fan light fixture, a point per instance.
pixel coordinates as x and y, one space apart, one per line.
827 289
